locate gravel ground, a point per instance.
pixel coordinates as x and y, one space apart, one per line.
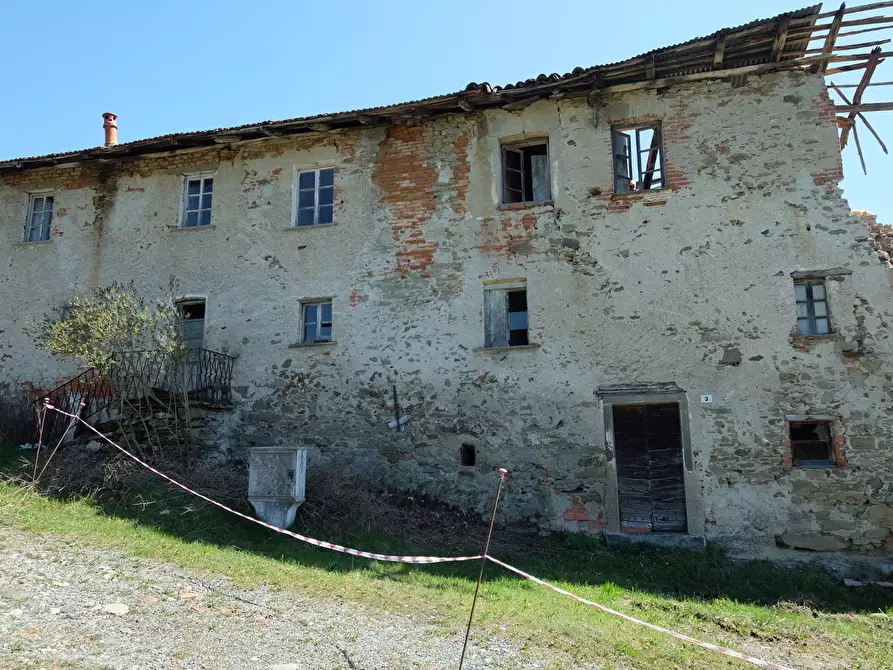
64 606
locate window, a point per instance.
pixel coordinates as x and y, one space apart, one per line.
812 308
467 457
638 158
197 201
192 322
315 197
505 316
811 443
317 322
40 217
525 173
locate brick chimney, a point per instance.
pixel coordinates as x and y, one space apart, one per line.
110 124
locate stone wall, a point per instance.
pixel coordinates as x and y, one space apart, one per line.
691 284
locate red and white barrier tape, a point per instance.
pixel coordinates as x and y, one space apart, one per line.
302 538
432 559
707 645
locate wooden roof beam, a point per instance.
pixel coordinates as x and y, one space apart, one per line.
847 122
851 47
781 36
719 51
828 49
865 107
870 67
860 8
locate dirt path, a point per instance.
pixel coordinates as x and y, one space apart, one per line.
71 607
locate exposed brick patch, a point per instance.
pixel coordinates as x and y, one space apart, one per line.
407 179
576 513
674 128
461 174
513 235
825 116
839 458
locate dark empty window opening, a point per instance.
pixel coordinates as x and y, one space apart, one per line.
505 318
638 158
525 173
517 317
192 322
811 443
467 456
813 317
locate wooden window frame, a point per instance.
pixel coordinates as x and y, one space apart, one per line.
296 196
318 323
810 304
492 303
29 216
636 148
519 147
828 462
196 300
202 178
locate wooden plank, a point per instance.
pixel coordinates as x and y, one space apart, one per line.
860 8
845 68
781 36
851 47
865 107
874 83
653 151
849 121
860 32
828 49
495 319
859 149
719 51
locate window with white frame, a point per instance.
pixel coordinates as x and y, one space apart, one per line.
317 322
40 218
197 196
315 197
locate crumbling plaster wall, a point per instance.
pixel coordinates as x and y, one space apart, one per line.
690 284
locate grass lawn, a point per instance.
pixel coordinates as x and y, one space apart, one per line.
801 618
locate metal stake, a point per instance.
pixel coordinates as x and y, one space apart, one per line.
42 413
502 473
396 408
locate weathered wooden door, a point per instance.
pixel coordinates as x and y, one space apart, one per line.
650 484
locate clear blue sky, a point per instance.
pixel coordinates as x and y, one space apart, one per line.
170 66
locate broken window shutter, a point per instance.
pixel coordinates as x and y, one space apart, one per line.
539 170
513 175
622 161
194 333
496 328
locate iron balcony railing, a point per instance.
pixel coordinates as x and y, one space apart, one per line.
200 376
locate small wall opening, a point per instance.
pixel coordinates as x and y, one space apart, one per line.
467 456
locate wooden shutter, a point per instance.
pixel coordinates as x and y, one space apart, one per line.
622 144
496 328
194 333
539 171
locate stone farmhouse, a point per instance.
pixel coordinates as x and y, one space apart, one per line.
636 286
